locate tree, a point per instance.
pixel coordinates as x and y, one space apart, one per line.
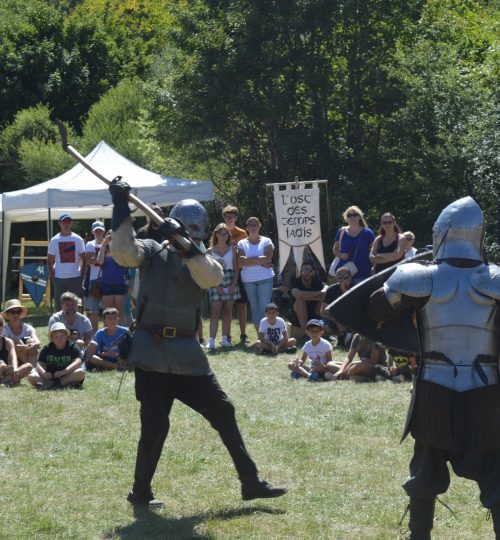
31 37
115 119
439 144
272 90
30 149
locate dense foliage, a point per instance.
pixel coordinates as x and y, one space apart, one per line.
394 102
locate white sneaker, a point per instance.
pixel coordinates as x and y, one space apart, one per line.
226 343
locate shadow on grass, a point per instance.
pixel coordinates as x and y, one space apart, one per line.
150 524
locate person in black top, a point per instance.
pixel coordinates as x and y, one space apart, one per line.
389 246
307 293
59 362
330 326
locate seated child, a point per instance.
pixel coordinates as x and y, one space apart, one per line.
102 351
401 365
319 352
59 362
273 337
371 363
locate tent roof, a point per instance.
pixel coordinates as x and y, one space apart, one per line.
84 196
79 192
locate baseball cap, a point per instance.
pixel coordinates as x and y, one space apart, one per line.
269 306
64 216
314 322
98 225
57 326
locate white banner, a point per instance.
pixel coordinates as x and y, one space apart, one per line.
297 217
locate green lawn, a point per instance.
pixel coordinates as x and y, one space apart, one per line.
67 459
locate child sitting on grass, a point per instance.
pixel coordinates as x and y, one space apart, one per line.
59 362
401 365
102 351
319 352
273 337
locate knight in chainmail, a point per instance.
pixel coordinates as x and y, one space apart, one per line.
168 360
455 411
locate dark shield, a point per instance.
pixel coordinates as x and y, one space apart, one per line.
350 311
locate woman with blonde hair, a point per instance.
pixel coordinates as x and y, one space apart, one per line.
222 297
353 244
389 246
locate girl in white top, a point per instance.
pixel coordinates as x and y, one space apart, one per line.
254 256
223 296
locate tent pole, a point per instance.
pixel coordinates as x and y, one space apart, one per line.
49 236
49 225
3 278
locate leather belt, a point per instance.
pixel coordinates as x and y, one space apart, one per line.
167 332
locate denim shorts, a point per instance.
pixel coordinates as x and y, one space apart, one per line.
112 290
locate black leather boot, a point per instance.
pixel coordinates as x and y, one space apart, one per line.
421 518
255 488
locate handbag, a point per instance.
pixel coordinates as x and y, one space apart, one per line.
335 262
353 269
95 287
349 265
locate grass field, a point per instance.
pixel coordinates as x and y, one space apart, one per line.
67 459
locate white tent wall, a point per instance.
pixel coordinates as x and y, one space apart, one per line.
84 196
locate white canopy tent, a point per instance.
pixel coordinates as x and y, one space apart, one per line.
84 196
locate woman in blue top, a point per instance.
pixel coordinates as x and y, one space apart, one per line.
114 279
353 243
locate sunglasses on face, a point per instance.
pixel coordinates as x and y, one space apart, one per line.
223 231
15 311
387 222
343 277
352 215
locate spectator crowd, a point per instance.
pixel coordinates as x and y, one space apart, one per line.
86 335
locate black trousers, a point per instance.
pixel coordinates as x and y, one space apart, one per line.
156 393
429 475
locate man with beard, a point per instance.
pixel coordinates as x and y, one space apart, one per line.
75 322
308 292
168 360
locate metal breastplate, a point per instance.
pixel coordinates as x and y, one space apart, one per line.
460 342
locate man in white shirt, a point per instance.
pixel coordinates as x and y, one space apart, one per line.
78 324
66 260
